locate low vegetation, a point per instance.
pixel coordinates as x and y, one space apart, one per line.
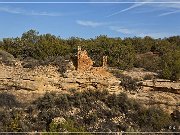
127 82
6 58
85 112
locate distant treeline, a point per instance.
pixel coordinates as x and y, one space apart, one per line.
160 55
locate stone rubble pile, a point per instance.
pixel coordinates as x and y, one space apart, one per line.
47 78
91 80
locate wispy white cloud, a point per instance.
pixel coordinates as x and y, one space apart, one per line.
156 34
135 5
164 5
140 32
35 13
107 25
126 9
168 8
121 30
25 12
90 23
125 30
168 13
10 10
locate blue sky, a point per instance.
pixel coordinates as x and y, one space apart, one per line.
88 20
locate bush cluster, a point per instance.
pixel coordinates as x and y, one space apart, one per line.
96 109
151 54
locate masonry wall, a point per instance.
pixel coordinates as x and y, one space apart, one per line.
84 61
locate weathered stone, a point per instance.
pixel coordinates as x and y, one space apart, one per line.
47 78
67 86
40 78
163 85
84 61
104 61
70 80
90 87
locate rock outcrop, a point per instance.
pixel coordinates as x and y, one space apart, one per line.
163 85
96 78
19 78
41 79
155 92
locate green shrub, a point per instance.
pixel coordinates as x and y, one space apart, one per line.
148 77
171 65
148 61
7 58
67 126
152 119
72 90
30 63
48 101
176 115
8 100
62 101
93 107
91 119
129 83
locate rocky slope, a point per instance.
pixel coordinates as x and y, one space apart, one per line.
80 96
27 84
41 79
155 92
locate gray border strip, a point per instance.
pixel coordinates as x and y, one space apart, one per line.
78 2
94 132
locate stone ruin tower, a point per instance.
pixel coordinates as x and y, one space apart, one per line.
84 62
